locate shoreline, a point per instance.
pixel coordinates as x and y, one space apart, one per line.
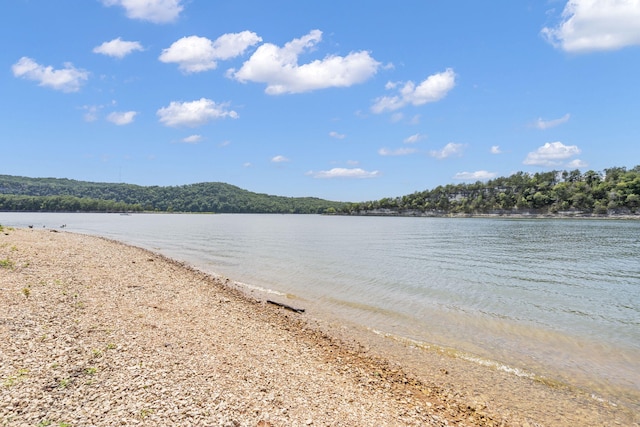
155 339
380 213
501 215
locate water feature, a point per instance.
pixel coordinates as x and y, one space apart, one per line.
548 297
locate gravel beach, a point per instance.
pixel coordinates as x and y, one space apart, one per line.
98 333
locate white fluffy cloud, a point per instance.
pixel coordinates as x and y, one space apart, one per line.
345 173
451 149
414 138
279 159
194 113
91 112
67 79
336 135
495 149
397 152
590 25
546 124
577 163
481 175
194 54
117 48
551 154
278 67
156 11
432 89
122 118
192 139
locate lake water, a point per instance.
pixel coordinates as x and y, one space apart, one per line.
553 298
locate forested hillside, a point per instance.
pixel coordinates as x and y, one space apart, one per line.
53 194
10 202
614 191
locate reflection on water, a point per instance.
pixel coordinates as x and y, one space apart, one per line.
560 298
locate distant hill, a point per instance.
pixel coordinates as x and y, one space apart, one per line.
616 191
56 194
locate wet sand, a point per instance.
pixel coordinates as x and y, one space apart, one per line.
96 332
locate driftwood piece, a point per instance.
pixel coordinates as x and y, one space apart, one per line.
288 307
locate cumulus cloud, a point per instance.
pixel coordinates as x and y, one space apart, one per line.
194 54
156 11
278 67
481 175
91 112
592 25
192 139
345 173
336 135
495 149
414 138
577 163
194 113
279 159
122 118
117 48
551 154
432 89
451 149
67 79
396 152
546 124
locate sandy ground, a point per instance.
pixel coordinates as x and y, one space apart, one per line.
94 332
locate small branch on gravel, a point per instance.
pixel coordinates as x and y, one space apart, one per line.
288 307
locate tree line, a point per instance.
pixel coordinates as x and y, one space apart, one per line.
56 194
16 203
614 191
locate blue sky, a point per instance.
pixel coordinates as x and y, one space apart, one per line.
347 101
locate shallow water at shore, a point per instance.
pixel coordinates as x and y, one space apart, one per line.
555 299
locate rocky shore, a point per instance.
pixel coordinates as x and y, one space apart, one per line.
97 333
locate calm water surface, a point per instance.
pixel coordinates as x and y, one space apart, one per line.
555 298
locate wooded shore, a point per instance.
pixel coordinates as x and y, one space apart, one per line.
96 332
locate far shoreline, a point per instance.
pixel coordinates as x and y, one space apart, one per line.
518 215
378 213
